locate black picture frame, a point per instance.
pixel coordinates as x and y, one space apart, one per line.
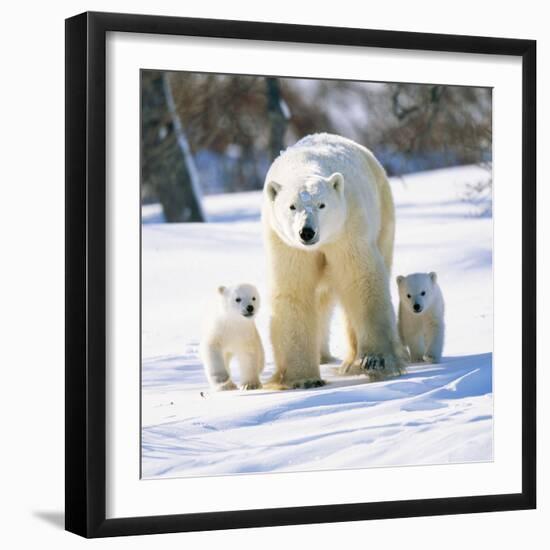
85 454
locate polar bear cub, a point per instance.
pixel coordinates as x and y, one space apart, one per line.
230 332
420 321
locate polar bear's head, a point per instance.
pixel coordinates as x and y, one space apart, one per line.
240 299
309 214
416 291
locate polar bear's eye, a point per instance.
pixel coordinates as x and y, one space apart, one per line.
254 298
408 295
322 205
292 207
423 293
237 300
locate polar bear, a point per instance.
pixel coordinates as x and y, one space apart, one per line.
421 311
230 332
328 220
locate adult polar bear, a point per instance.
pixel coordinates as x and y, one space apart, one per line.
329 227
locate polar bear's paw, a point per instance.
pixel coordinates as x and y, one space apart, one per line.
255 385
308 383
380 366
429 358
227 386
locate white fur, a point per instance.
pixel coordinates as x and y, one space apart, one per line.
230 332
348 259
307 197
422 331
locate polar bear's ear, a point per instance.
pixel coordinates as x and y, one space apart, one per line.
433 276
399 279
272 189
221 290
336 180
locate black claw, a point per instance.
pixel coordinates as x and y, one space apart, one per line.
373 362
307 384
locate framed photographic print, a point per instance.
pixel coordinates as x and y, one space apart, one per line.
300 274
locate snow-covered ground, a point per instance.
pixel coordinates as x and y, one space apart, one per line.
434 414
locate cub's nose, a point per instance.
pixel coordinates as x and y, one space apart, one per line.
307 234
250 309
417 307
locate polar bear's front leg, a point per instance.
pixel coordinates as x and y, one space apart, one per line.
294 336
251 364
295 276
215 366
415 342
365 295
433 335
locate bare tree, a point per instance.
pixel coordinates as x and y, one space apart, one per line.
278 115
240 123
440 119
167 165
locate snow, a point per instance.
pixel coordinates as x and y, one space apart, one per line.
432 415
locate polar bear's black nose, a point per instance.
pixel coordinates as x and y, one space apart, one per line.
417 307
306 234
250 309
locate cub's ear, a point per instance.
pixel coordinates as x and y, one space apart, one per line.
221 290
336 180
272 190
399 279
433 276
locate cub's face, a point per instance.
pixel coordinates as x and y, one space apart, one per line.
309 215
416 291
240 300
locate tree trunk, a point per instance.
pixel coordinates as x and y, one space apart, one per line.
278 115
167 163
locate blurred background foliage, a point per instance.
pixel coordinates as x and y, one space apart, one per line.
211 133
